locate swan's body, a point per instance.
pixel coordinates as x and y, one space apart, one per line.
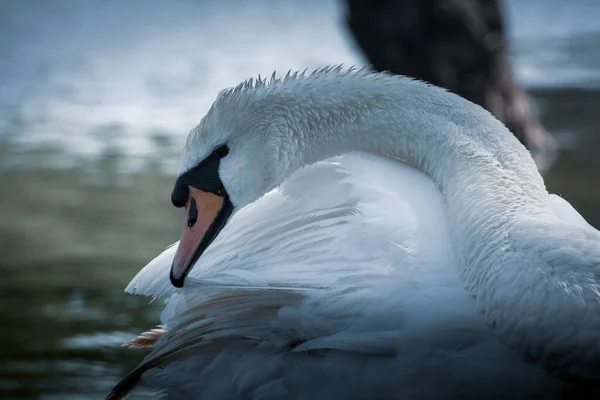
360 277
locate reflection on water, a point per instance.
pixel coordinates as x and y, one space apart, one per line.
70 240
148 65
65 342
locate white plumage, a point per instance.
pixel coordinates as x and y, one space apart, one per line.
361 277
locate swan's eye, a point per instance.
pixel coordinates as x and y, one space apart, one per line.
222 151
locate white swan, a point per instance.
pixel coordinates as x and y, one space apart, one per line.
359 276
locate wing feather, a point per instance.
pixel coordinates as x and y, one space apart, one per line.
303 269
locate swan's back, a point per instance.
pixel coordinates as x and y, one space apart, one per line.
342 283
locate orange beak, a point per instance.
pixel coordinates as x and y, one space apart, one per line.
205 215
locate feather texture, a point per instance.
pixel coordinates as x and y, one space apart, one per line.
269 306
361 277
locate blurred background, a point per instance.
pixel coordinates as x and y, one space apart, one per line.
97 97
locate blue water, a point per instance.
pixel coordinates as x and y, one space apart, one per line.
69 68
555 43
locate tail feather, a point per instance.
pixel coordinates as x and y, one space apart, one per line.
145 339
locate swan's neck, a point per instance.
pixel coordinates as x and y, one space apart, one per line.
496 202
470 155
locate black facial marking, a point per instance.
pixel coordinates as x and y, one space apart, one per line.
193 214
204 176
180 195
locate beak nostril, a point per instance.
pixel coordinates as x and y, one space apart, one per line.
193 213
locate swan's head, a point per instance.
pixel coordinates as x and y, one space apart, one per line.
253 137
229 160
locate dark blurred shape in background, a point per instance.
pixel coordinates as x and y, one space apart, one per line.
456 44
96 99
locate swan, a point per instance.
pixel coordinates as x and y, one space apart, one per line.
357 235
